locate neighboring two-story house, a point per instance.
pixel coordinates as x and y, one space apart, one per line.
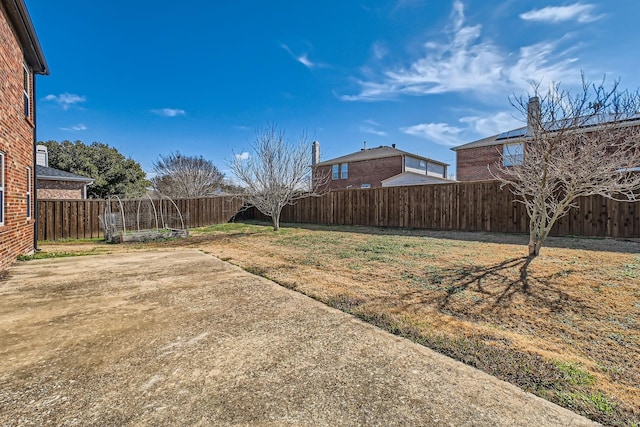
382 166
21 58
477 160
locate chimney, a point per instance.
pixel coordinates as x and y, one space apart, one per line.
533 115
364 145
393 145
315 153
42 156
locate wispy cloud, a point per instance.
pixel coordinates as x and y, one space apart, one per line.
440 133
373 131
242 156
302 58
75 128
468 62
492 124
169 112
401 4
379 50
553 14
372 127
65 100
468 129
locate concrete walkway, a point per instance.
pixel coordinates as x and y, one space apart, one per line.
182 338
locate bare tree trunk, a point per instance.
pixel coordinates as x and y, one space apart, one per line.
538 231
276 221
534 246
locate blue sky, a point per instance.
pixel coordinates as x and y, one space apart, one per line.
152 77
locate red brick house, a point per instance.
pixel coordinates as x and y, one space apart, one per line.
21 58
52 183
476 160
382 166
473 160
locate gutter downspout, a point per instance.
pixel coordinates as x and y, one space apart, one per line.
34 196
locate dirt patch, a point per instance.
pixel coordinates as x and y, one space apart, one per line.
181 338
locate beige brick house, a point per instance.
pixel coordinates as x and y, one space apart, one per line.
21 58
382 166
52 183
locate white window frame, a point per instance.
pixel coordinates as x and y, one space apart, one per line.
27 90
335 172
29 186
344 170
2 190
513 154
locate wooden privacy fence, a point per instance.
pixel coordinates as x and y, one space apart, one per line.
79 219
475 206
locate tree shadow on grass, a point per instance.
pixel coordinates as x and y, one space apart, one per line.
498 285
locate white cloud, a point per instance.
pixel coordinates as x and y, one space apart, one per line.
169 112
373 131
371 127
554 14
468 62
78 127
242 156
66 100
494 124
303 59
440 133
472 127
379 50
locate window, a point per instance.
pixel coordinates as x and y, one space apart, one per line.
411 164
335 171
513 154
436 170
28 193
1 188
27 91
344 170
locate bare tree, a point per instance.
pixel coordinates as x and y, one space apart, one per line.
276 173
183 176
576 145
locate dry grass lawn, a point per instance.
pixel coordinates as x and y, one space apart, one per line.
565 327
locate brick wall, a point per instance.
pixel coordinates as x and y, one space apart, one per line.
60 190
16 142
471 164
365 172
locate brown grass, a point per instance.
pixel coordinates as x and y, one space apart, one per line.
565 326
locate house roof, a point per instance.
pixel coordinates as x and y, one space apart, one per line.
494 139
381 152
53 174
19 17
412 178
515 135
